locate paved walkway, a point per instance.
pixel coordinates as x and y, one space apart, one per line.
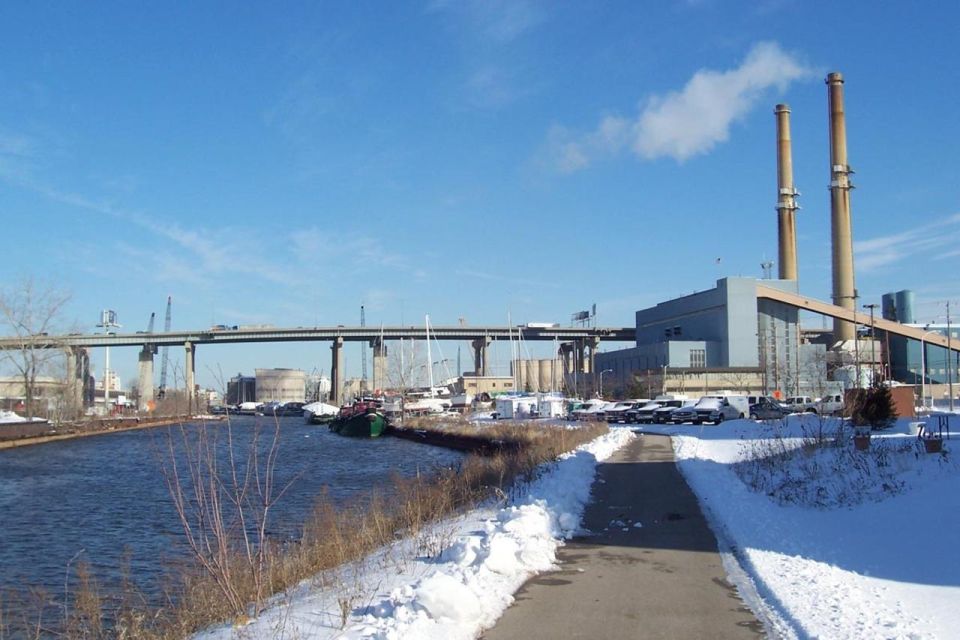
648 569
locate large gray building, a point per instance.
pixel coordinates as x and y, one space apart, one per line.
726 330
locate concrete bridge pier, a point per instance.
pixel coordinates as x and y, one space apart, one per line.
78 366
566 355
580 355
336 372
592 344
480 356
379 363
191 350
145 377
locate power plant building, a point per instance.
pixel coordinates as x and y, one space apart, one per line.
728 330
910 359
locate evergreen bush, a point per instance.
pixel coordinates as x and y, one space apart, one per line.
873 407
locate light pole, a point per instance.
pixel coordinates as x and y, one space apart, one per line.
108 321
601 380
923 368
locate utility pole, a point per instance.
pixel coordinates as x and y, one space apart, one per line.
873 343
950 360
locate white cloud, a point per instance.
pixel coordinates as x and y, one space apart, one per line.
936 240
691 121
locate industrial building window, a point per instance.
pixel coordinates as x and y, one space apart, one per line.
698 358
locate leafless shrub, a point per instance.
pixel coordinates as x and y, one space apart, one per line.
821 469
224 505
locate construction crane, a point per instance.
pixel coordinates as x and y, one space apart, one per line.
152 347
363 354
162 389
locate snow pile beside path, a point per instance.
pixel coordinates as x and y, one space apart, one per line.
831 550
9 417
462 589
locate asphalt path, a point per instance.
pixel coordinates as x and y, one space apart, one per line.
647 568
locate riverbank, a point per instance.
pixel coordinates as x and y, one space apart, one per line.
103 503
99 426
449 579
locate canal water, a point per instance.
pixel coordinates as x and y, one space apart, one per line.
103 498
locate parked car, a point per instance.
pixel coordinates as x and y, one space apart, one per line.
589 410
766 409
643 413
686 413
664 415
618 412
716 410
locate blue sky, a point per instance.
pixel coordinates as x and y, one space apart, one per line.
283 164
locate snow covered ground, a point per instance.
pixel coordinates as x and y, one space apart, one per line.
451 582
837 543
823 541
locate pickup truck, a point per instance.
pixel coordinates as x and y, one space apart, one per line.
708 409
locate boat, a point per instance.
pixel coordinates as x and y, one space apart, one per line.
319 412
282 409
360 419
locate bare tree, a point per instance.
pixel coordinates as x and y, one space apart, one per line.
404 368
29 313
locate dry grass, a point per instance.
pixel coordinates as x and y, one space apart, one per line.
333 536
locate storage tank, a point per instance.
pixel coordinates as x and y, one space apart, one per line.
888 307
905 306
532 379
281 385
545 381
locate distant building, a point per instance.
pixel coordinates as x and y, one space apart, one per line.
48 391
114 381
317 388
241 389
474 384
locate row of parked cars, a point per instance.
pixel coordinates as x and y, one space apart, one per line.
678 409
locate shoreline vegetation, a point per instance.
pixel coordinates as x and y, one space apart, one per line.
236 567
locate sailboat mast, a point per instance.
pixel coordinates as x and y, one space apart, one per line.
426 320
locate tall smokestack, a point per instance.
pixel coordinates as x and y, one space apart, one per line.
787 199
842 237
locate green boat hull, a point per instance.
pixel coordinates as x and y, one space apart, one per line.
368 425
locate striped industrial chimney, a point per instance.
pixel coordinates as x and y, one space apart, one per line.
787 198
844 292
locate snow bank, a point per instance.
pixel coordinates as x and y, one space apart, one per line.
462 586
842 556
